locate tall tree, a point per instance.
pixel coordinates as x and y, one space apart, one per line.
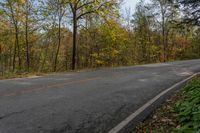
142 22
163 14
13 10
27 14
57 8
191 8
79 9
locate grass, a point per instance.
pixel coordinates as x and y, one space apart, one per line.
179 114
11 75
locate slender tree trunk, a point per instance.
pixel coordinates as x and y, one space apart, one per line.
45 57
59 43
27 52
166 45
10 59
18 48
14 55
16 37
66 58
1 59
74 41
163 37
27 37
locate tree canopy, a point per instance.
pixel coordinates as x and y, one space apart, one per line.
61 35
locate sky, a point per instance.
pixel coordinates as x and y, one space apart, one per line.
130 4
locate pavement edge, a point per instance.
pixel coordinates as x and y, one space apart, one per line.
144 111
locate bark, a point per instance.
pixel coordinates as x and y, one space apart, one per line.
14 55
27 37
18 47
59 43
74 41
163 34
1 59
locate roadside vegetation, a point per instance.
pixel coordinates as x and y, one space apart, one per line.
42 36
180 113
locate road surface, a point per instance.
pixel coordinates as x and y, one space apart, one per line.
84 102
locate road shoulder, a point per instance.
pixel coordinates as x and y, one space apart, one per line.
146 110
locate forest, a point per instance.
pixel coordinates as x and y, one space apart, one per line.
61 35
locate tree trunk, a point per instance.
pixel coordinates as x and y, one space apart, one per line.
1 59
59 43
163 37
17 44
14 55
74 41
27 38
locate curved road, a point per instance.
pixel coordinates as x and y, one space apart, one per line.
84 102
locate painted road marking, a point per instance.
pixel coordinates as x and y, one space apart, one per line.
25 91
131 117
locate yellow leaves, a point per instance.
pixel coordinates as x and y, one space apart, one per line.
22 1
19 2
114 52
113 42
100 62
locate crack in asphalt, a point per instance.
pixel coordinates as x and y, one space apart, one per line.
10 114
93 102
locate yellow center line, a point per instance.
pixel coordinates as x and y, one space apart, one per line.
9 94
54 86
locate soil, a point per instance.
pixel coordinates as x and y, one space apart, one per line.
162 120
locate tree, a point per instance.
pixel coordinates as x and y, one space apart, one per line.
79 9
36 36
13 11
29 22
191 8
163 11
57 8
27 13
142 22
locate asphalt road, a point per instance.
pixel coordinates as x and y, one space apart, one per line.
84 102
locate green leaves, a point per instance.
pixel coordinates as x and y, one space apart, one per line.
188 109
